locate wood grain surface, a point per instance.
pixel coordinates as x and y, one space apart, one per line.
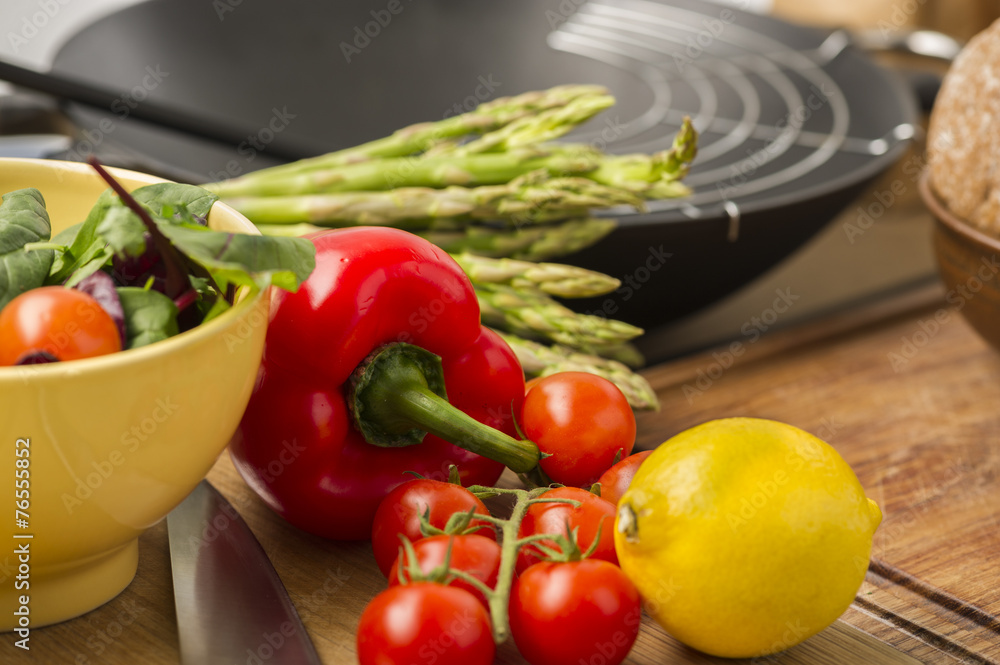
923 435
910 400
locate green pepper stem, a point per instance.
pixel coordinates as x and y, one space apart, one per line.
435 415
397 395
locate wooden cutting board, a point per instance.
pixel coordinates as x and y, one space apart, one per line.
922 432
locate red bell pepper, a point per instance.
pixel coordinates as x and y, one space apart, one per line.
350 382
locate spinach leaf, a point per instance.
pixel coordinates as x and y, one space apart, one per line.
241 259
67 235
150 316
93 264
64 238
110 222
210 302
172 195
23 220
123 231
113 229
177 240
86 245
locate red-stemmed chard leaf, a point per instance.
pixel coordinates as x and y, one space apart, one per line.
176 280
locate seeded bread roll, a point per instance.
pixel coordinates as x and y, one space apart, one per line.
963 139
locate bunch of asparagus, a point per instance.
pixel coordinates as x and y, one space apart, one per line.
488 187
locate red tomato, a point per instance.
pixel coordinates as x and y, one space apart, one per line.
473 554
65 323
592 514
571 613
425 622
400 511
616 480
583 421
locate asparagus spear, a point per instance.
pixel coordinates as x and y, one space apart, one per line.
539 316
555 279
541 360
288 230
527 243
649 176
626 353
654 176
532 198
535 243
528 277
536 281
443 171
531 130
486 117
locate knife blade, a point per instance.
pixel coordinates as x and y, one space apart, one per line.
231 605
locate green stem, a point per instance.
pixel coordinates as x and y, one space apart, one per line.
472 581
36 246
509 529
499 599
397 395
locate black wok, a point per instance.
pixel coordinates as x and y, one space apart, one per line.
795 122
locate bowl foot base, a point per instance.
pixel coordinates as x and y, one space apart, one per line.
60 593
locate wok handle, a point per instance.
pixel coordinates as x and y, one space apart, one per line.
925 43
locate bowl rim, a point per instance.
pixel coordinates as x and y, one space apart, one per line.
127 357
949 219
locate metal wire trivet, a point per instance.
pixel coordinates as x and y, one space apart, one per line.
762 107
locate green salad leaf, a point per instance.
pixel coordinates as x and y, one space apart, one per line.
23 220
150 316
123 231
245 260
192 198
171 271
84 246
178 212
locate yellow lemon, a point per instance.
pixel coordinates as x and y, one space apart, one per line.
745 536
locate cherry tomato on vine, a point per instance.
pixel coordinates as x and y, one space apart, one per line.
583 421
425 622
592 515
400 511
64 323
616 480
476 555
566 613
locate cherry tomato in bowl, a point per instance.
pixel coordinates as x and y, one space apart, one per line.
65 324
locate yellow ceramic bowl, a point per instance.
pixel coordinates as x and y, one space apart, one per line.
111 444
